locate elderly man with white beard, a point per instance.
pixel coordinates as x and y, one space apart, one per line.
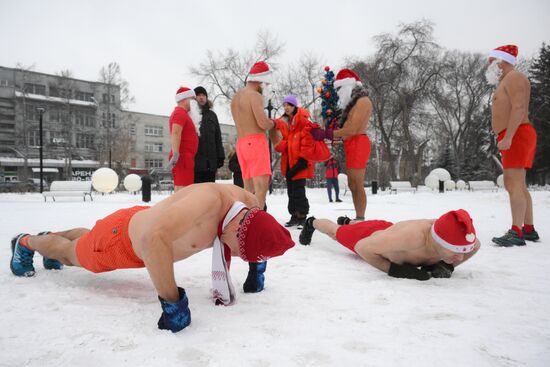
517 140
357 109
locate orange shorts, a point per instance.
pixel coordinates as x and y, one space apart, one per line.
522 151
183 172
253 155
107 246
357 149
348 235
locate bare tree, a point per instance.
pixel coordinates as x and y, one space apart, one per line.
63 115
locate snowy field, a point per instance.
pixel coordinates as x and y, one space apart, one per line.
322 305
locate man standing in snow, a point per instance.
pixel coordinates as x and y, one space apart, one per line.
195 218
517 140
413 249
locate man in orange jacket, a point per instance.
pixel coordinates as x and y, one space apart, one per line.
290 143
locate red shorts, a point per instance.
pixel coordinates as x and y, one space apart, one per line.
348 235
357 149
183 172
253 155
522 151
107 246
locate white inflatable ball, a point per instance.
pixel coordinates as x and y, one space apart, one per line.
460 185
500 181
132 182
104 180
441 173
432 182
449 185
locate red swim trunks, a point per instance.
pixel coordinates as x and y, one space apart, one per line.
348 235
183 172
107 246
522 151
253 154
357 149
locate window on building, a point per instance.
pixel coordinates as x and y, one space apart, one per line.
33 138
109 119
83 118
55 91
89 119
31 113
225 136
57 138
153 147
84 141
83 96
132 129
58 115
106 98
154 163
35 88
153 130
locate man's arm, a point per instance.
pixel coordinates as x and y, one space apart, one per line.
257 104
361 112
517 89
175 137
159 261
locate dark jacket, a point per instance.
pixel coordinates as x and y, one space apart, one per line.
210 154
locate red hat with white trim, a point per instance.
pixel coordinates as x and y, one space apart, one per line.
262 237
260 72
508 53
455 231
346 77
184 92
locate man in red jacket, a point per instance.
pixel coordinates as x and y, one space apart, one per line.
332 169
185 141
293 165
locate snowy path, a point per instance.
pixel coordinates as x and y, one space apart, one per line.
322 305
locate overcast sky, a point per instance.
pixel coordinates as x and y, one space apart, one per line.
155 42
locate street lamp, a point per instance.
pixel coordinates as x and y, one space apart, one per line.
41 112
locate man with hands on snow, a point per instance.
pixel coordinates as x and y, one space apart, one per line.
414 249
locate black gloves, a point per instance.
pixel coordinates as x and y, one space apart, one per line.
175 316
407 271
300 165
220 162
440 269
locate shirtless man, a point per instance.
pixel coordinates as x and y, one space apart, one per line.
517 140
357 109
195 218
247 108
184 139
434 245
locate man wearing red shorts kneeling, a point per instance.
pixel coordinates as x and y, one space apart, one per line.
414 249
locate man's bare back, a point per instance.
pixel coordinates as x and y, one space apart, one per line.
248 112
189 218
514 88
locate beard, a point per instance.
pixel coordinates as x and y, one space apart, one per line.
196 115
265 90
493 73
344 95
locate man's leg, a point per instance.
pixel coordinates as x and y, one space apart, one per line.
356 185
261 185
329 189
514 182
326 226
60 246
336 188
528 219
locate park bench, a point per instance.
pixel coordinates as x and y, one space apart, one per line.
482 185
396 186
69 188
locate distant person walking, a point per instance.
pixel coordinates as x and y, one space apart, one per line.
332 169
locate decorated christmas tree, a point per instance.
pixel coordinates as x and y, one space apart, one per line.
330 110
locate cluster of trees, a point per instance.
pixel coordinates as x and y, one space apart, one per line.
431 106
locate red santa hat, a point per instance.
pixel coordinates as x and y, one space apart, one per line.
184 92
261 237
260 72
508 53
346 77
455 231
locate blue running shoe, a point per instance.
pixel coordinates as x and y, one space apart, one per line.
50 264
21 258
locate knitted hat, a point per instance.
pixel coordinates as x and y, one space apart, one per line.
455 231
346 77
260 72
261 237
290 99
508 53
200 90
183 93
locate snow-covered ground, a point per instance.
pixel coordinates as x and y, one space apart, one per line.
322 305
